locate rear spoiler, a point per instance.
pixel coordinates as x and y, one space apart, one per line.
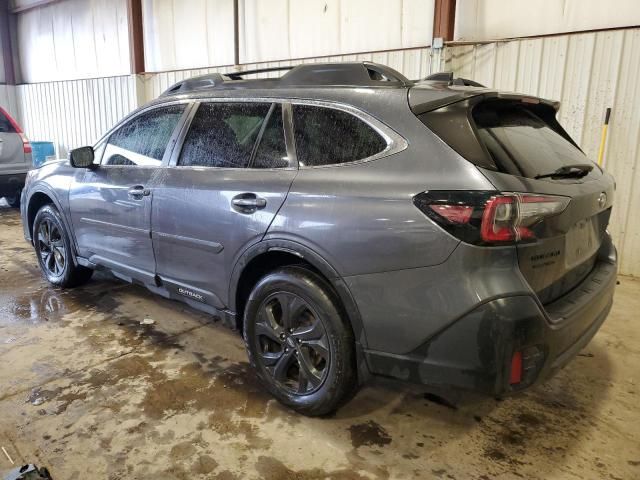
423 98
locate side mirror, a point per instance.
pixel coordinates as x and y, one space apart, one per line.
82 157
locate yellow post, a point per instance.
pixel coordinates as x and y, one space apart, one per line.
603 139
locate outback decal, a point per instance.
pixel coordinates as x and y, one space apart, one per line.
189 294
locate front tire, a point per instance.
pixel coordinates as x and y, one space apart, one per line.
299 342
53 249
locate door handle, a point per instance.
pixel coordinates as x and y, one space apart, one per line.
248 203
138 192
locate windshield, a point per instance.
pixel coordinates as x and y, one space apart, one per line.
521 142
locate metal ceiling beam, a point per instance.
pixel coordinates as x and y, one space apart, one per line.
136 38
444 16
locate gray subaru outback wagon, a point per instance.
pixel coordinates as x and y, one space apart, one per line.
350 222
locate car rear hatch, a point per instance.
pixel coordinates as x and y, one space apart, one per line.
15 150
517 143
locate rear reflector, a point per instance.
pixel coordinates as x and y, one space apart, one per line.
454 213
516 369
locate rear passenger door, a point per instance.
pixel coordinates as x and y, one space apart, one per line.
228 177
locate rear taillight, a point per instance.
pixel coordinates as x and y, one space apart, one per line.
26 146
489 218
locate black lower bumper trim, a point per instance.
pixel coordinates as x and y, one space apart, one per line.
476 351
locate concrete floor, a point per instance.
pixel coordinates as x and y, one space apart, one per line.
90 393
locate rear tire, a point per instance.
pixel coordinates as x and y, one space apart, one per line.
14 202
299 342
53 249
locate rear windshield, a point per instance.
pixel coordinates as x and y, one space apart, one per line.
522 142
5 124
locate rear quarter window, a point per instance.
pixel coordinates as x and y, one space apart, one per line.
326 136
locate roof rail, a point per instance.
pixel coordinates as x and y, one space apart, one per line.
309 74
239 75
448 78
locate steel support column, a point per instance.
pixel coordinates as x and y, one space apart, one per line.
136 38
444 16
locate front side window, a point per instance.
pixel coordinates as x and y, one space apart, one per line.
223 134
143 140
326 136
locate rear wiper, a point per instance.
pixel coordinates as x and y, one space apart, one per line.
578 170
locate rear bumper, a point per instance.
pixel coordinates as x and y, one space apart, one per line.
11 183
475 352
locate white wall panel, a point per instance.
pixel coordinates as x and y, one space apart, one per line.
8 100
587 72
281 29
181 34
478 20
73 39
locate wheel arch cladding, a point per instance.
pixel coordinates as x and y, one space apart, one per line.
271 254
37 200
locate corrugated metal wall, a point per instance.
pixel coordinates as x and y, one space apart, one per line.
75 113
587 73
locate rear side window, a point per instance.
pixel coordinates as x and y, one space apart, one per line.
223 134
522 140
5 124
143 140
326 136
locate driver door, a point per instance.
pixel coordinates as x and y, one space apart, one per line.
111 205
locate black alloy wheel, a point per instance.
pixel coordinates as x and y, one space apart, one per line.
51 248
292 343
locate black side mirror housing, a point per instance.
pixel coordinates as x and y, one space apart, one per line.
82 157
